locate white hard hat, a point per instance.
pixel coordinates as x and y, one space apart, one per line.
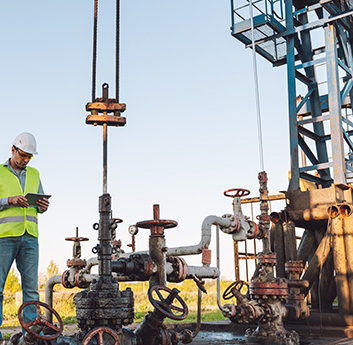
26 142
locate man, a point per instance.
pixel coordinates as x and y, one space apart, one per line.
18 221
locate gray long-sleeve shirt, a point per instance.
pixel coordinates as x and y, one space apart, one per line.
21 175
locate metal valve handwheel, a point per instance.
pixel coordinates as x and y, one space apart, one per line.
166 305
163 223
234 289
157 225
238 192
100 331
41 320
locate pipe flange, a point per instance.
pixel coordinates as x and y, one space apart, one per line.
180 269
234 224
76 263
254 231
186 336
269 259
79 281
259 288
295 266
65 280
164 337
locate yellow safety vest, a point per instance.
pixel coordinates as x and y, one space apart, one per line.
14 221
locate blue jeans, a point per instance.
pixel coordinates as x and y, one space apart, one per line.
23 250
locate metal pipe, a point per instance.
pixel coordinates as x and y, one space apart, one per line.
202 272
205 237
289 241
104 237
348 242
316 262
105 158
48 295
90 263
340 262
218 267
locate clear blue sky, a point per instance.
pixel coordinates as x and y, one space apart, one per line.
191 122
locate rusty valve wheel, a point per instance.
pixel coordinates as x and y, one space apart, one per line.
234 289
163 223
40 320
238 192
165 306
100 331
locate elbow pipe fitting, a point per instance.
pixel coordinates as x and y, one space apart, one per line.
224 223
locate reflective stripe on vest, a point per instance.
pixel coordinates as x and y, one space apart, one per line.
14 221
18 219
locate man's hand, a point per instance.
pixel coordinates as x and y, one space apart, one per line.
19 201
43 204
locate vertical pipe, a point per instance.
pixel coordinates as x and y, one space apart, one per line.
117 54
105 157
104 237
334 100
348 242
317 261
157 251
94 60
292 105
339 259
218 266
232 17
289 241
279 249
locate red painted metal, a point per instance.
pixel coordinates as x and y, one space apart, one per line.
100 331
41 320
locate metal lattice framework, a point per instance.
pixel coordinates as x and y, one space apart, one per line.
314 41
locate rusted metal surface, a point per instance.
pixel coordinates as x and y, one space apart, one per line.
171 306
206 256
101 107
264 218
236 192
289 239
157 225
313 205
296 304
41 321
99 333
269 198
276 288
180 269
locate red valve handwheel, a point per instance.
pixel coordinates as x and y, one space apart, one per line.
237 285
100 331
80 239
41 321
165 307
238 192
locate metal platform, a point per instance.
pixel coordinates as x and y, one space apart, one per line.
266 27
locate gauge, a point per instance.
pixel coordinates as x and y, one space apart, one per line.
133 230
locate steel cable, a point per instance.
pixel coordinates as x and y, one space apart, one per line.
94 60
257 97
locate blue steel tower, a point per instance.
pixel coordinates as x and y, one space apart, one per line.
313 40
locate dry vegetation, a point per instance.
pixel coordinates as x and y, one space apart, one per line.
65 306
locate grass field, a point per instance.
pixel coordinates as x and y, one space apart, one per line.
65 306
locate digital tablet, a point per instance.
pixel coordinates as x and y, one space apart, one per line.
32 198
